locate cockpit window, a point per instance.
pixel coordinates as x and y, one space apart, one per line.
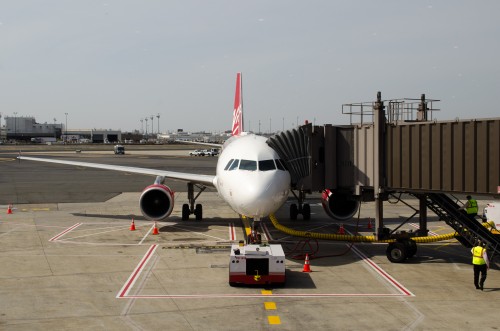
248 165
234 165
228 164
280 165
266 165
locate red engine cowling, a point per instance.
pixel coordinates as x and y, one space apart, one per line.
156 202
340 206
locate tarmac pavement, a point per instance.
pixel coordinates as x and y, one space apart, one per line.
77 266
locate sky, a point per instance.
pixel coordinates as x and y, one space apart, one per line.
110 64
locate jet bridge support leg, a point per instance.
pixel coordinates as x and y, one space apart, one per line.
422 231
379 217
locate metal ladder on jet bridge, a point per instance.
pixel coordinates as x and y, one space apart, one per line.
469 231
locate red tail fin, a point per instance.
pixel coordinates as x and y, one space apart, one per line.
238 108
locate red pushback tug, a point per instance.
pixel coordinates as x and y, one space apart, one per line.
257 265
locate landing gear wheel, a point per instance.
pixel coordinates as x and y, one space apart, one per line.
306 211
396 252
185 212
198 212
293 211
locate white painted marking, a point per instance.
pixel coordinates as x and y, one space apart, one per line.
136 273
68 230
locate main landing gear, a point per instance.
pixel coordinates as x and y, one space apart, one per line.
301 208
191 208
399 251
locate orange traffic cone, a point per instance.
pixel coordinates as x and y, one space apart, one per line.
132 226
307 266
155 229
9 209
370 223
341 229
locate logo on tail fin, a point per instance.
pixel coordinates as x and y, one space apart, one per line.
238 108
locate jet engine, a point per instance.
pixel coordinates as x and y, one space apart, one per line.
340 206
156 202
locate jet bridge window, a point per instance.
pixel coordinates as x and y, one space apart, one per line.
248 165
266 165
234 165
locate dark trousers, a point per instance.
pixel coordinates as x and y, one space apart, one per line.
480 268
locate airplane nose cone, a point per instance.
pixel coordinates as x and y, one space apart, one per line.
259 199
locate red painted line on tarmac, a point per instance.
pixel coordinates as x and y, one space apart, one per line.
232 232
381 272
284 295
135 274
56 237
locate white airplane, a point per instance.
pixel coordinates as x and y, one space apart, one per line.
250 176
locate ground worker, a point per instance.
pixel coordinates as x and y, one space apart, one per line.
481 264
470 207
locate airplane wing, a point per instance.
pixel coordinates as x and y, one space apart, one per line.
194 178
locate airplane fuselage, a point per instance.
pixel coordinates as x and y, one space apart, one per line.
250 177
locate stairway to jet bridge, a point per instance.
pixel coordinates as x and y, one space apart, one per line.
469 230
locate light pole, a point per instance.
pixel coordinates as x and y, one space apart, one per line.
152 126
158 117
15 125
146 119
142 126
66 128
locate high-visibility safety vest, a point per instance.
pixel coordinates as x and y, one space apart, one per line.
477 255
472 207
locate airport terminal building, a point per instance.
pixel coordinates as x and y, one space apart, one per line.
26 128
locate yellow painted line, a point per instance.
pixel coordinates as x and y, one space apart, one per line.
270 305
40 209
246 224
274 319
267 292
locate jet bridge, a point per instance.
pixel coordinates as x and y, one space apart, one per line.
398 149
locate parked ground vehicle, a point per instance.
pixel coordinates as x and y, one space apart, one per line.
198 152
212 152
119 149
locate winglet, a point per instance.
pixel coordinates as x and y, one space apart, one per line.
238 108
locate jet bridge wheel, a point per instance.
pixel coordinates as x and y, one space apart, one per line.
397 252
411 248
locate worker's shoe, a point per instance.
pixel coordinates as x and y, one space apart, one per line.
477 287
481 285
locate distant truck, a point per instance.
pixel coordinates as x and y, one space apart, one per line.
205 152
198 152
119 149
212 152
